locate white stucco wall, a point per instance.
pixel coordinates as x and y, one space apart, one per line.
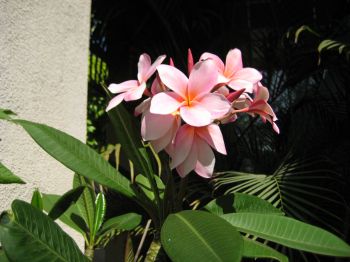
43 78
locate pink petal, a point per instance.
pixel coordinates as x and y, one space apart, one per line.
182 145
135 93
206 159
238 84
262 93
218 62
189 163
143 66
115 101
123 87
195 115
248 74
213 136
166 140
142 107
203 78
189 61
233 62
174 79
165 103
235 95
223 90
154 126
153 67
216 104
156 86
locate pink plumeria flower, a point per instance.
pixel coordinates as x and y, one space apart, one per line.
192 149
191 97
232 73
134 89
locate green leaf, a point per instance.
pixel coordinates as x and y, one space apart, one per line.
29 235
241 203
3 257
37 200
254 249
5 114
130 139
123 222
289 232
100 212
145 186
77 156
200 236
65 201
86 203
71 217
7 177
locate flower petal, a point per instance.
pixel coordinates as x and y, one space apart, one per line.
165 142
216 104
174 79
189 61
206 159
195 115
135 93
238 84
165 103
115 101
190 162
123 87
153 67
213 136
142 107
248 74
203 78
143 66
218 62
233 62
154 126
182 145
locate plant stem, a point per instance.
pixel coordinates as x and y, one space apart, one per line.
89 252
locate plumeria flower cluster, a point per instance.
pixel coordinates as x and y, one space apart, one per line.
182 114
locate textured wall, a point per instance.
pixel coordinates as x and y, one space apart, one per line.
43 77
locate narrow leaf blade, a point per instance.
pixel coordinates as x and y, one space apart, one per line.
77 156
289 232
64 202
254 249
7 177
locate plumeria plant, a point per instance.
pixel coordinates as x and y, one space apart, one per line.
180 115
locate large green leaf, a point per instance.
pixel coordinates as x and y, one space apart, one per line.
65 201
29 235
123 222
3 257
77 156
70 217
241 203
255 249
7 177
289 232
130 139
200 236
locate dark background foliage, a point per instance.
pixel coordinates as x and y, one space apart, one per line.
309 88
